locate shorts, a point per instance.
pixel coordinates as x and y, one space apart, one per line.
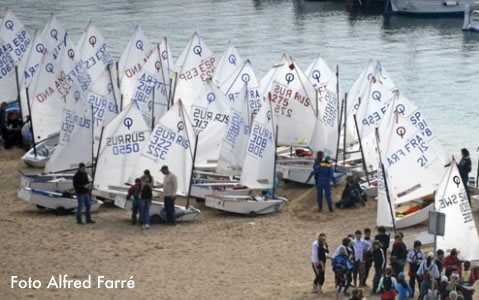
341 283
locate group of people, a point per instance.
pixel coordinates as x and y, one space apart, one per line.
141 194
353 261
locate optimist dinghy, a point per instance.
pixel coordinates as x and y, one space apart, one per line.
44 151
246 205
61 203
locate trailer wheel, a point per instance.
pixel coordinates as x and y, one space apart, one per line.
40 207
61 211
155 219
252 214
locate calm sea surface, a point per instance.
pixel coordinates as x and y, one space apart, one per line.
432 61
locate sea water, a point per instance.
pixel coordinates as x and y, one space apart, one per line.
431 61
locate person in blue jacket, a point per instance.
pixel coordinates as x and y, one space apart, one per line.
323 174
342 267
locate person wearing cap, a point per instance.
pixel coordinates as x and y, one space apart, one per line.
170 186
403 288
323 174
415 257
82 187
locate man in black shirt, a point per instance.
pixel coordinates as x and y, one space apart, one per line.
82 188
384 239
3 120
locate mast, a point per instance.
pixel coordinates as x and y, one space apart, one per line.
385 183
113 88
339 134
345 126
361 149
275 159
97 155
92 137
18 92
31 123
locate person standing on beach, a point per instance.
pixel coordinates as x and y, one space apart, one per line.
388 285
318 259
341 268
360 246
135 191
324 175
146 198
82 186
379 263
384 239
368 256
464 169
398 255
170 186
415 257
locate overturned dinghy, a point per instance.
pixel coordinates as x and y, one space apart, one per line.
44 151
246 205
157 210
61 203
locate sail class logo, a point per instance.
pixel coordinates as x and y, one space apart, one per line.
456 180
128 122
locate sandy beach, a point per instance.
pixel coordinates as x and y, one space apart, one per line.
219 256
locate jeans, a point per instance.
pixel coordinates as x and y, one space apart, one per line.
170 209
145 211
83 199
136 209
412 282
327 190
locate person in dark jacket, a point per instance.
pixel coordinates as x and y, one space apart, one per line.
13 134
464 169
323 174
82 189
3 120
384 239
135 191
398 255
379 260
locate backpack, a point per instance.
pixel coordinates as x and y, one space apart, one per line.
387 284
146 192
340 265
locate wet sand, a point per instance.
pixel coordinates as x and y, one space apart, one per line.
218 256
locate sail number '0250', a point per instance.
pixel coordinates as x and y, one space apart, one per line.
125 143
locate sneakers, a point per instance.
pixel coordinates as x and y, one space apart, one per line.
146 226
91 222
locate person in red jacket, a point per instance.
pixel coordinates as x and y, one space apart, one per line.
452 264
135 191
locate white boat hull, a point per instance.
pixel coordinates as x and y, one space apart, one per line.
50 182
44 152
428 7
246 205
414 218
300 173
157 209
201 190
52 200
471 18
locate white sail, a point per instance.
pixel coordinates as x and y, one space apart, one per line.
373 106
171 143
267 80
325 136
124 138
14 42
195 65
93 50
152 88
28 68
413 168
319 74
294 104
167 66
235 140
233 86
357 90
258 166
131 63
76 137
53 35
229 63
460 229
209 117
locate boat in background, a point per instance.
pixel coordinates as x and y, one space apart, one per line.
61 203
44 150
471 17
426 8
